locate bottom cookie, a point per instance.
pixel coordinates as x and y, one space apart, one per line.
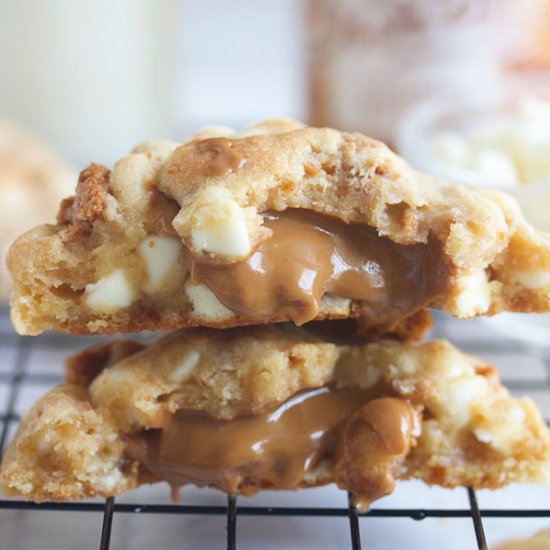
274 407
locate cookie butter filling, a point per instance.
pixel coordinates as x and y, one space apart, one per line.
311 254
277 449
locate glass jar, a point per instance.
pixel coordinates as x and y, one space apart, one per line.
370 60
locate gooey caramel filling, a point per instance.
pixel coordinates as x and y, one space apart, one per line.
278 448
311 254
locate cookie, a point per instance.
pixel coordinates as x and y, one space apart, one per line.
33 179
274 407
281 222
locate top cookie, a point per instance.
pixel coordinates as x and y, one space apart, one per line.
280 222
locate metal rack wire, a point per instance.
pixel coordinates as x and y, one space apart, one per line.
18 375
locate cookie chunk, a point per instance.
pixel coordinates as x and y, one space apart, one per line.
66 450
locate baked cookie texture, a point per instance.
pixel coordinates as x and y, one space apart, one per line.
66 450
115 261
74 443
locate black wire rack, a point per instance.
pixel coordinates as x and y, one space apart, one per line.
18 375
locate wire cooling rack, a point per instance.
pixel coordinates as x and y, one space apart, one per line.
24 369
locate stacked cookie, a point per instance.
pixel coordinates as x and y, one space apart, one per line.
295 266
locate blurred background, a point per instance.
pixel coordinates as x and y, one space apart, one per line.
93 77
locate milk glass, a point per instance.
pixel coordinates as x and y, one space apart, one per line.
92 77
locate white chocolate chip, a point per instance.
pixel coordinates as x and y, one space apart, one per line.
484 436
532 279
475 296
109 293
205 303
160 254
334 305
372 377
182 369
112 479
404 387
463 395
502 435
221 228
